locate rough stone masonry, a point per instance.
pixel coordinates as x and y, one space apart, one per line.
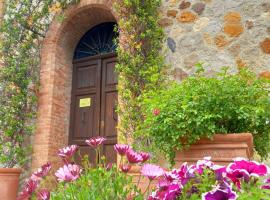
218 33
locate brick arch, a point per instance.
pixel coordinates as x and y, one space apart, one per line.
56 76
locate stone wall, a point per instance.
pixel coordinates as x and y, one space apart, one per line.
217 33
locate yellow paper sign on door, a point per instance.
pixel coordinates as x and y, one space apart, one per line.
85 102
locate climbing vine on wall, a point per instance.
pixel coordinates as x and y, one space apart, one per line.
23 28
140 65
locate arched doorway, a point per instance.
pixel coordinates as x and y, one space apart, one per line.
94 91
56 75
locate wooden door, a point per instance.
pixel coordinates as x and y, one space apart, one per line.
93 104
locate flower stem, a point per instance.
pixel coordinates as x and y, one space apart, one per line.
96 150
148 188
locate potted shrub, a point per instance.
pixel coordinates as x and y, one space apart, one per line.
194 111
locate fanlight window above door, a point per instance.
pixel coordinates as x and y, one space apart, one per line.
99 40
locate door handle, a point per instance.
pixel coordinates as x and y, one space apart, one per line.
102 124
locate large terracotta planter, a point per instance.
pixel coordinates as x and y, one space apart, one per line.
222 148
9 183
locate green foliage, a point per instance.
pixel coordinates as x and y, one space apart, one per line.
207 181
22 30
97 184
201 106
203 183
253 191
140 65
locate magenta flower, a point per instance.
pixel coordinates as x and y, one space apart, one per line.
220 193
67 152
43 171
125 168
182 175
237 175
145 156
242 169
171 192
266 187
156 112
267 181
43 195
68 173
121 149
163 184
29 188
267 184
133 157
152 171
109 166
252 168
205 163
95 142
220 171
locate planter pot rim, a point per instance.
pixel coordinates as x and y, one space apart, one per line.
10 170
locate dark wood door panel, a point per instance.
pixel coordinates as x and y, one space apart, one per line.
86 76
86 124
108 109
110 114
94 78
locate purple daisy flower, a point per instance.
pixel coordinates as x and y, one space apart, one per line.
133 157
68 173
95 142
152 171
43 195
121 149
145 156
67 152
43 171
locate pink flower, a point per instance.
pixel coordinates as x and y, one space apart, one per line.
252 168
182 175
152 171
220 193
68 173
29 188
145 156
205 163
267 184
267 181
237 175
43 195
266 187
133 157
171 192
121 149
95 141
125 168
220 171
109 166
67 152
242 169
156 111
43 171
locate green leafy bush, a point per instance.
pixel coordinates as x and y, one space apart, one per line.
201 106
